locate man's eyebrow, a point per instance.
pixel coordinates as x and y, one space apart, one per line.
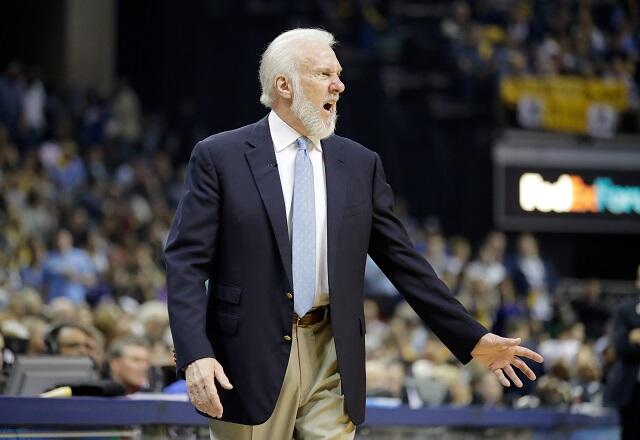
324 68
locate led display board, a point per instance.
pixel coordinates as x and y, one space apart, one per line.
547 183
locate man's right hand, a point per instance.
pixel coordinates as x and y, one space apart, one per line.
201 376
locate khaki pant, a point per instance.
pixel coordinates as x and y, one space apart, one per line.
311 404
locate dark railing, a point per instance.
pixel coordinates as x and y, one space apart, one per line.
29 417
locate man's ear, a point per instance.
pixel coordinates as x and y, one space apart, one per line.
283 87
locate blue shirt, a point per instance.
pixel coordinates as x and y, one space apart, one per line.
58 284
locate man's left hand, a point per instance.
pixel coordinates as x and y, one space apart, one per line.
502 354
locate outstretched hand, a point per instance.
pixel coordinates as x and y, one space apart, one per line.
500 355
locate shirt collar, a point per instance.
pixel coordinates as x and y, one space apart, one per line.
284 135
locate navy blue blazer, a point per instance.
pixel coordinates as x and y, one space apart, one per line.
230 228
623 376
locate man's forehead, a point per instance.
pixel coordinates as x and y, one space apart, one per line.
316 55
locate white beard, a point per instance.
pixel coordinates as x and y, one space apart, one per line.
310 116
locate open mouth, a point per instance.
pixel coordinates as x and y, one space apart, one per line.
329 106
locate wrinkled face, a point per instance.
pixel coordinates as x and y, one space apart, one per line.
73 342
132 368
317 88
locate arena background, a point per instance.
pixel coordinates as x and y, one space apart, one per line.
123 90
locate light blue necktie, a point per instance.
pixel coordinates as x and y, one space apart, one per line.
303 234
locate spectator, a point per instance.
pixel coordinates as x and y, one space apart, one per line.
32 269
436 252
112 321
68 172
128 360
62 309
68 271
38 329
587 378
153 318
460 252
3 376
563 349
376 285
591 311
33 104
623 384
11 92
385 379
487 390
533 277
486 268
125 126
68 340
1 355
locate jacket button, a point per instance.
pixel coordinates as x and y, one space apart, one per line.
287 338
289 295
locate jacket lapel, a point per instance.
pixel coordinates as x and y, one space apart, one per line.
336 181
262 161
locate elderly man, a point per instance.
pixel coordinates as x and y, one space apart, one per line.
279 216
128 360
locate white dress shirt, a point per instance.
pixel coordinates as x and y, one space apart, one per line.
284 142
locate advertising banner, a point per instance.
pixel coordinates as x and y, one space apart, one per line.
566 103
567 188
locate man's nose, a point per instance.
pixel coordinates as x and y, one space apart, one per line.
337 86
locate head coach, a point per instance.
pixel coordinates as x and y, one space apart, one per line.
279 217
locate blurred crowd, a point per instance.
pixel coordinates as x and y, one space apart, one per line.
86 199
514 294
88 184
567 37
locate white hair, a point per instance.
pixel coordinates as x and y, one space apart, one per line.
280 58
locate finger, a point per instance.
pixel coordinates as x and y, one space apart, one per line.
525 352
513 376
500 375
213 398
222 378
199 398
199 394
200 401
510 341
522 366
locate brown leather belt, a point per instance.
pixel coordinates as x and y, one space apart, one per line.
313 316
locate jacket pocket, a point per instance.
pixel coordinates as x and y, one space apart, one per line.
227 293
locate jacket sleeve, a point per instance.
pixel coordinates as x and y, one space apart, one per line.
189 255
392 250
